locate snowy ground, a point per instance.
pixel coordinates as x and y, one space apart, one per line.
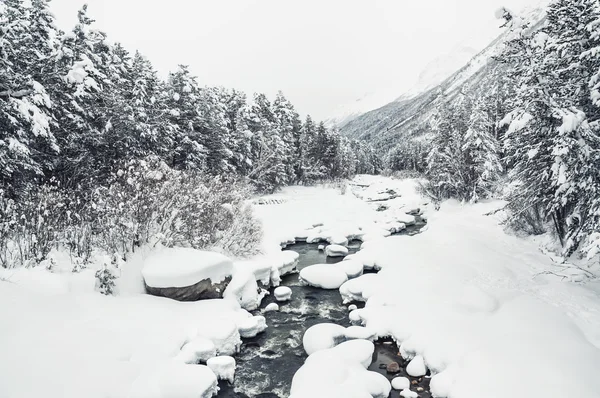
467 300
472 302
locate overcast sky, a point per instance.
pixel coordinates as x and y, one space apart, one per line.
320 53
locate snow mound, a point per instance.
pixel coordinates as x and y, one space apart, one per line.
224 333
408 394
272 307
416 367
340 372
360 332
338 239
196 351
352 268
252 326
283 293
223 367
174 380
243 289
336 251
400 383
322 336
324 276
181 267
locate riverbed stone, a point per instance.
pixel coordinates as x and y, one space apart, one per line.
393 368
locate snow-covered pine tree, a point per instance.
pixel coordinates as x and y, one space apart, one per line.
182 102
27 143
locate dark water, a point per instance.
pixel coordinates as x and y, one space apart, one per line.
268 362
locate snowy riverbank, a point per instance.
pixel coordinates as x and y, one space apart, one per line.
467 299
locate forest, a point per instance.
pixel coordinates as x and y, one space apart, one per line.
528 131
91 136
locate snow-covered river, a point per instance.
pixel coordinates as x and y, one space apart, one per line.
268 362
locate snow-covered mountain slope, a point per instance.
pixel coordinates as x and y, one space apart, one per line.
408 115
433 74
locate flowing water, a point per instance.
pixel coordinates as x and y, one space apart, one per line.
267 363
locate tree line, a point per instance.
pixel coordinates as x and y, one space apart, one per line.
73 106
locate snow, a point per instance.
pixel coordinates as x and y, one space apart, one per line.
251 327
400 383
408 394
336 251
352 268
340 371
170 380
68 341
181 267
243 288
322 336
196 351
338 239
463 297
416 367
352 307
283 293
272 307
223 367
325 276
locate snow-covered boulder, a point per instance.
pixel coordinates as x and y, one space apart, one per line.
324 276
416 367
340 372
360 333
223 333
252 326
243 289
400 383
199 350
323 336
187 274
272 307
283 293
338 239
223 367
352 268
336 251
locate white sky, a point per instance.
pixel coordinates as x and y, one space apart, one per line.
320 53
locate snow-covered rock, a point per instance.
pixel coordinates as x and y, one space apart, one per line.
283 293
224 333
223 367
321 248
187 274
416 367
336 251
199 350
324 276
408 394
400 383
338 239
272 307
352 268
340 372
322 336
243 288
252 326
352 307
360 332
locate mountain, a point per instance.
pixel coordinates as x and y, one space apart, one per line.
434 73
407 116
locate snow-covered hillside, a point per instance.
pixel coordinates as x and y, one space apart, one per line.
407 115
434 73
